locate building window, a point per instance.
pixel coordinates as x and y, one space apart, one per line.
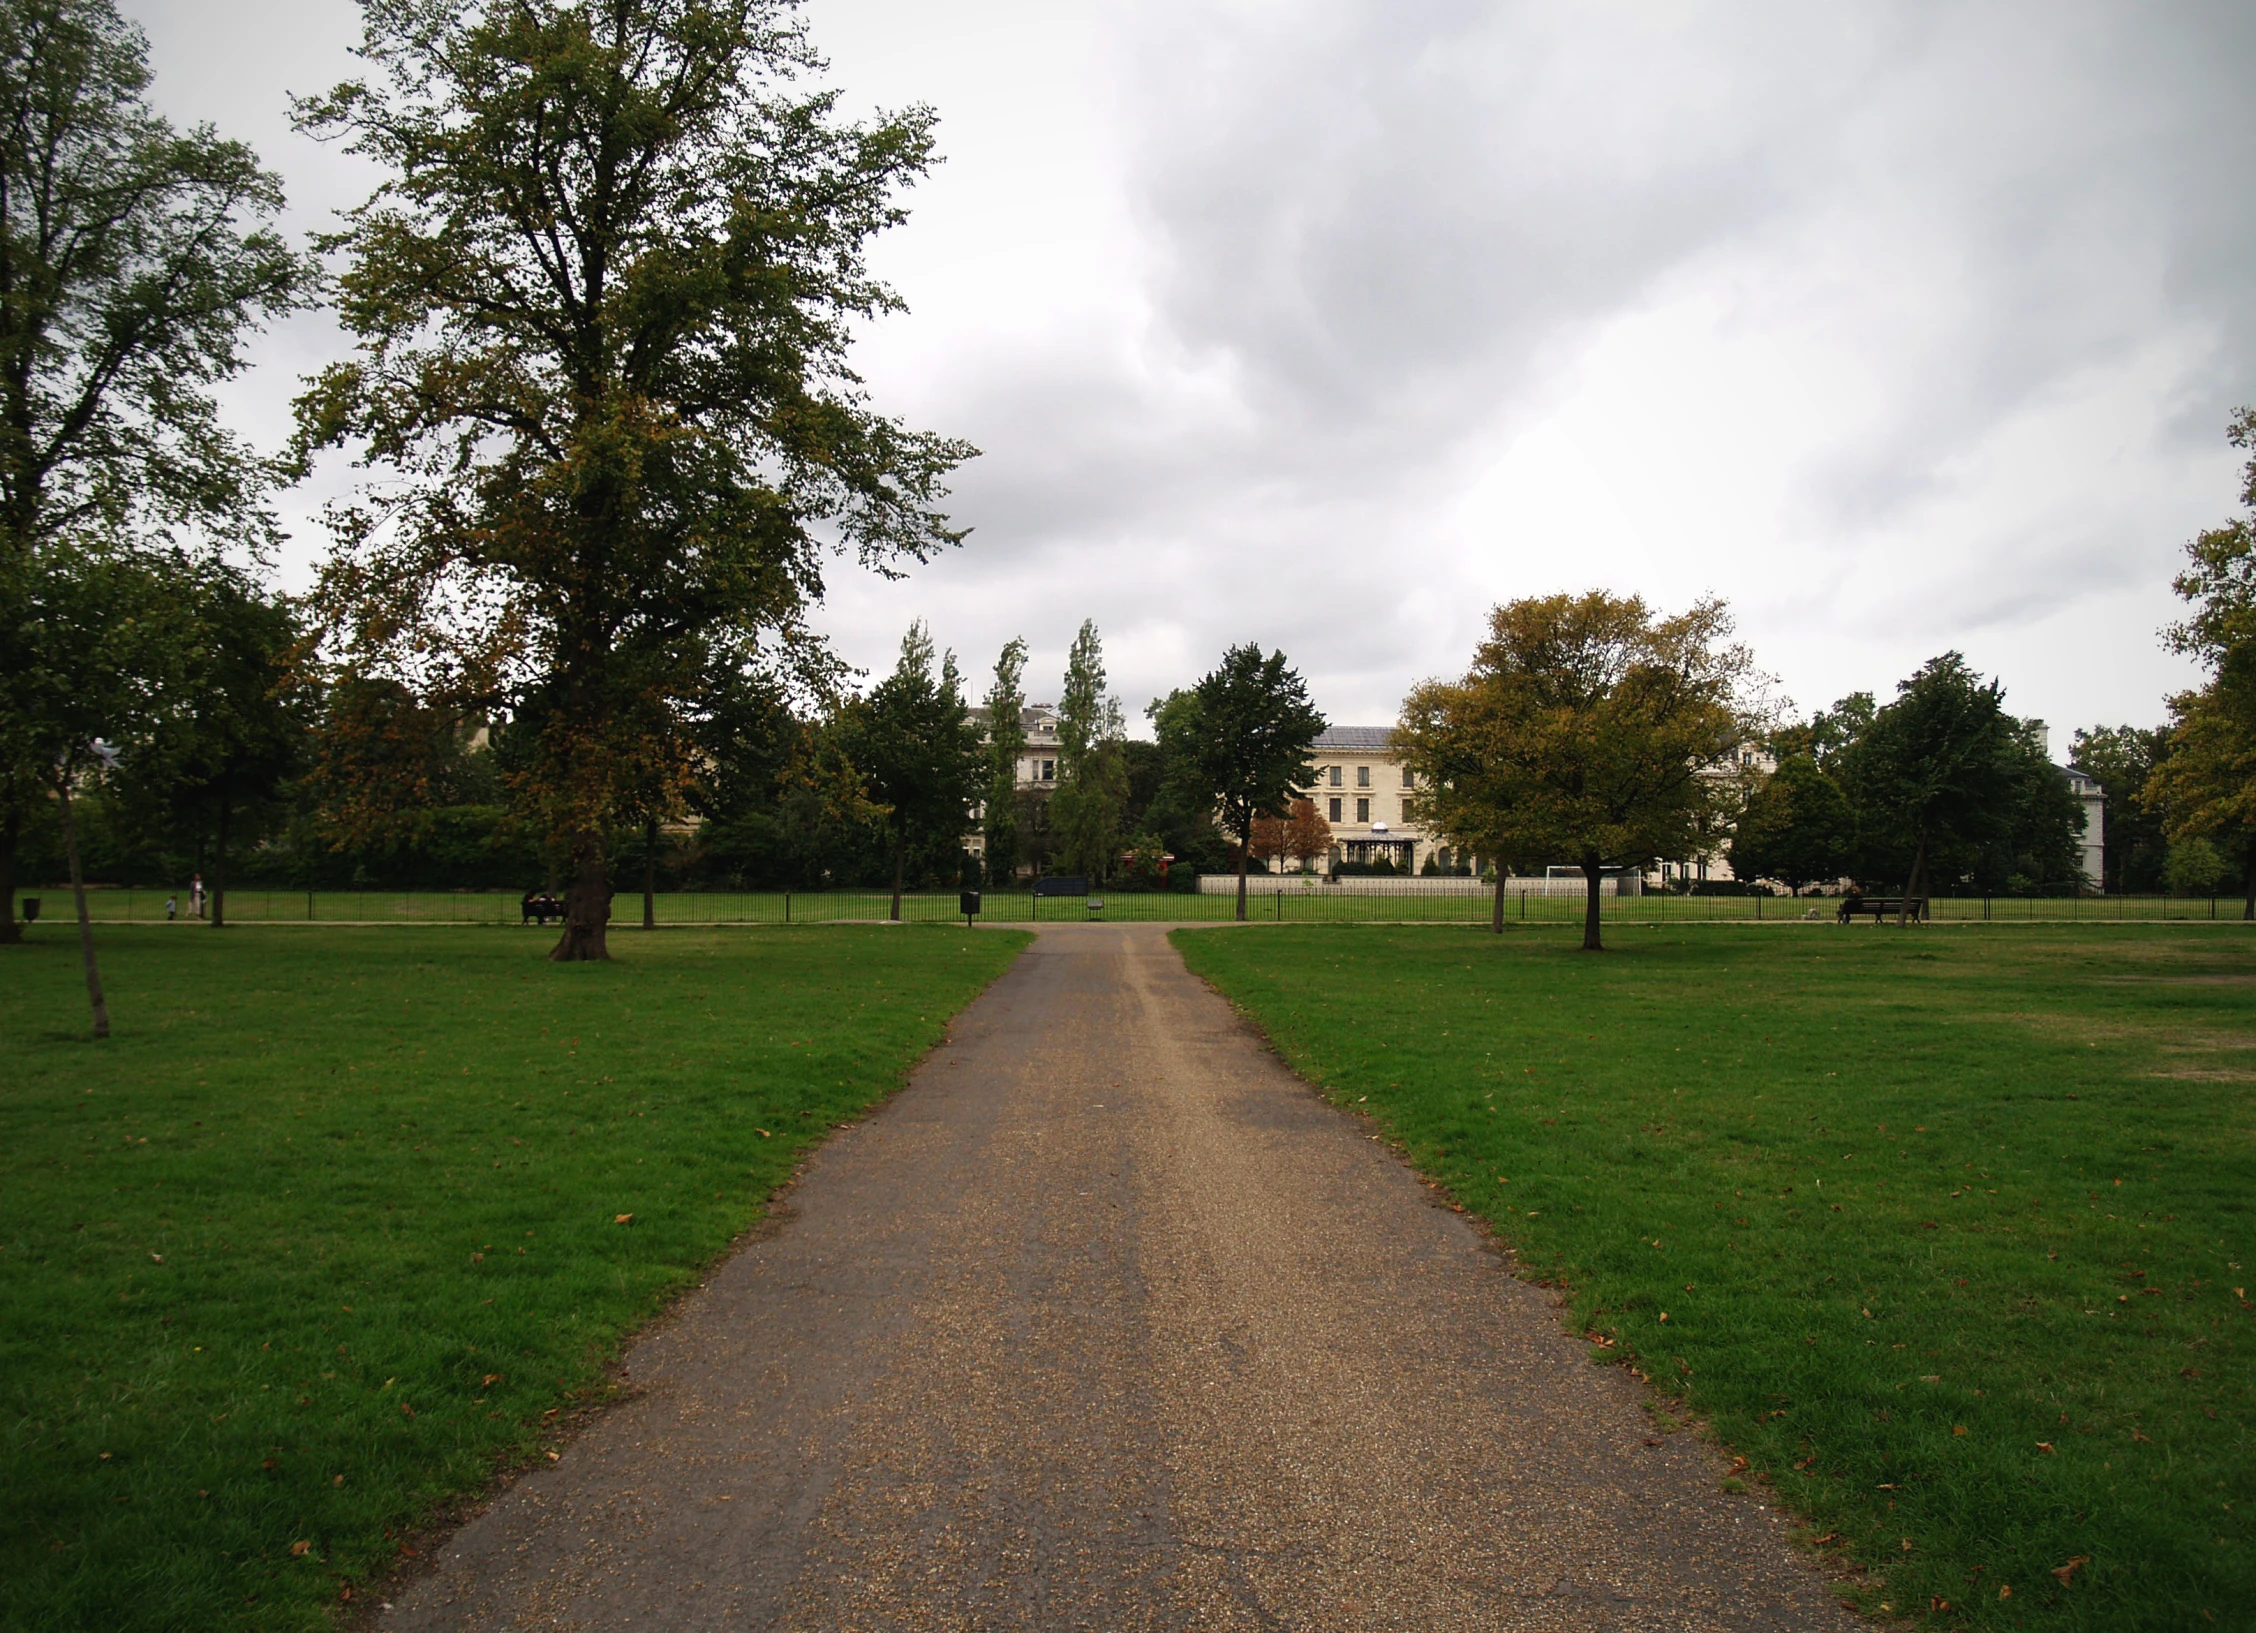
1409 778
1332 773
1362 810
1335 816
1362 776
1049 771
1406 810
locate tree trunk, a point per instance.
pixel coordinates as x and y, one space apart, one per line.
219 864
1918 866
11 824
587 904
1244 845
900 867
650 874
1593 879
85 922
1496 906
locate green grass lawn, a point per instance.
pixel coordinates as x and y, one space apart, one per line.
1946 1231
332 1223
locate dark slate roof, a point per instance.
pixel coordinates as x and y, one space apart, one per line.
1363 739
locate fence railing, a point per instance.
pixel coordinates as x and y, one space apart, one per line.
1277 901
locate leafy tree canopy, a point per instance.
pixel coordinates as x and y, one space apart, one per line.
1588 728
603 306
1091 800
1240 742
914 745
1797 827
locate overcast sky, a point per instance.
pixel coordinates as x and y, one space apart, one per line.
1902 327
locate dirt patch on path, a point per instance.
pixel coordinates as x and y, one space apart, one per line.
1106 1321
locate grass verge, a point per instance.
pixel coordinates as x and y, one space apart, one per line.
339 1219
1947 1232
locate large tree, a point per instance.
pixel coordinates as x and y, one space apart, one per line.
1936 776
1240 741
1091 800
1589 729
2206 789
603 306
917 752
133 257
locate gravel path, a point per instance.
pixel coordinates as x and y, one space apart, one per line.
1108 1322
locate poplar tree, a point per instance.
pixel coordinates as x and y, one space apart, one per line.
1092 791
1006 742
603 306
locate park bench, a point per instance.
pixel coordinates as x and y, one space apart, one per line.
1880 907
1064 885
539 909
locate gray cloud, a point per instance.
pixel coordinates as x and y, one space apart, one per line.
1903 326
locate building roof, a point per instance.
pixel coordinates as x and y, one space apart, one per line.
1352 739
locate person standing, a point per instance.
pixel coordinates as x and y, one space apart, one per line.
196 896
172 908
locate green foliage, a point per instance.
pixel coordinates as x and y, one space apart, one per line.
2206 789
1975 1284
1175 808
917 753
603 304
1239 742
1585 731
1006 746
1937 777
1797 827
132 259
2195 868
2122 760
1091 799
327 1173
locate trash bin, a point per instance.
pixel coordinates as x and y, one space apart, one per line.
967 903
31 909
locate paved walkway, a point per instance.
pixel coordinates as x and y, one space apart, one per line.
1107 1322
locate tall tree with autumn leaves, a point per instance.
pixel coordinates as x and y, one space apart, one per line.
1588 728
602 308
2206 788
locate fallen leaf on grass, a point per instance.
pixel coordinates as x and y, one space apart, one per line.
2045 1446
622 1219
2005 1593
492 1378
2064 1572
1958 1429
763 1133
298 1550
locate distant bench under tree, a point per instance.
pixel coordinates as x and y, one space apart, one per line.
1062 885
1881 907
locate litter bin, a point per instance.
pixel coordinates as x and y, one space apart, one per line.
967 904
31 909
